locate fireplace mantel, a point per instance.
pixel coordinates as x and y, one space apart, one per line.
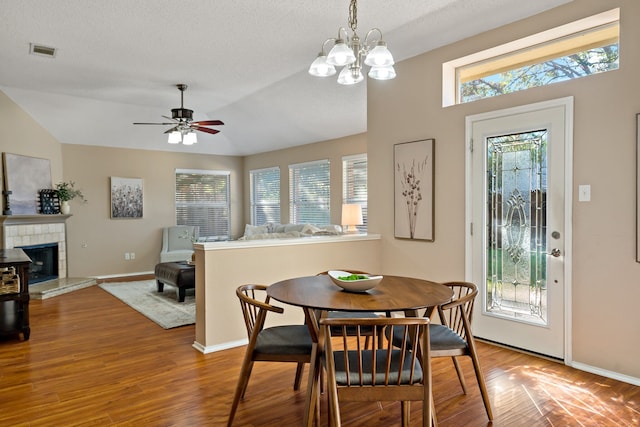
32 219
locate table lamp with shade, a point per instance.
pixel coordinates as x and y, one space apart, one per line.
351 216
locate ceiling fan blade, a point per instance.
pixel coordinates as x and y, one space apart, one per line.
208 123
175 128
207 130
154 124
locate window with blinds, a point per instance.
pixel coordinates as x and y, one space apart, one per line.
354 184
309 193
265 195
203 199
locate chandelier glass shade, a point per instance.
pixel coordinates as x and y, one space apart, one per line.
352 53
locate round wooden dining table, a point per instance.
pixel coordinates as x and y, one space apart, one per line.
317 295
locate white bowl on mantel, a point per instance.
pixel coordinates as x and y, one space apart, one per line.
360 285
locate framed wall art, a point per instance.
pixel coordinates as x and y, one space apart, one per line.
24 177
414 176
126 198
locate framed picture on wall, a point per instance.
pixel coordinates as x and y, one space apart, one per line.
24 177
126 198
414 176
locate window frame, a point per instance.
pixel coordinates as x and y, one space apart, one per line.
294 199
449 69
252 197
346 160
225 205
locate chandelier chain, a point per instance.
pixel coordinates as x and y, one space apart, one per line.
353 15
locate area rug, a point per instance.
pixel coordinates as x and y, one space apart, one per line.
161 307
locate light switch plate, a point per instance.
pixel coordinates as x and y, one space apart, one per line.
584 193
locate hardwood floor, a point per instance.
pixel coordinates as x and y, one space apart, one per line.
93 361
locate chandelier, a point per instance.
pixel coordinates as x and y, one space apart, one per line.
352 52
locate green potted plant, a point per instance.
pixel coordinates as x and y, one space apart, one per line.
67 191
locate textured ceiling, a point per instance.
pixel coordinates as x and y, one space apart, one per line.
245 62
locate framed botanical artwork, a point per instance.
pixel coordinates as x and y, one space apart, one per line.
126 198
414 177
24 177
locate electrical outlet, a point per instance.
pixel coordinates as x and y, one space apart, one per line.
132 255
127 257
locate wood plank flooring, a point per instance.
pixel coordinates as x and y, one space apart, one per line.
94 361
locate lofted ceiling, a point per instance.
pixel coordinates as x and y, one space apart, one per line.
245 62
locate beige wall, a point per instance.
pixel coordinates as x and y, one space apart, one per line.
606 278
20 134
221 268
333 150
96 243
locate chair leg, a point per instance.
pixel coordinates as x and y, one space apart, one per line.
480 376
405 409
298 380
334 406
243 380
433 421
246 379
463 383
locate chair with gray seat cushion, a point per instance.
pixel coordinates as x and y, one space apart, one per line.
177 243
287 343
453 337
387 373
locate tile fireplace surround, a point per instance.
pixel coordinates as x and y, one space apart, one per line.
28 230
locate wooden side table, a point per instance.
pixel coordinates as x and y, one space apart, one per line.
14 301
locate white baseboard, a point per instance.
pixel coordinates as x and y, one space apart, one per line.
113 276
219 347
605 373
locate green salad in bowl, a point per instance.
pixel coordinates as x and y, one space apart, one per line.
353 282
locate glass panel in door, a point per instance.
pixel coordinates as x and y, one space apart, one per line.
516 282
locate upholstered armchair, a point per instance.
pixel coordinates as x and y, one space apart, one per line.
177 243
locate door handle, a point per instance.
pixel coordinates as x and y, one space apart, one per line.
555 252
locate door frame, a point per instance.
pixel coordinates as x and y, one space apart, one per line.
567 103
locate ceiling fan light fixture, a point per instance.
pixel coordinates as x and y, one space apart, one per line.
183 127
175 137
189 138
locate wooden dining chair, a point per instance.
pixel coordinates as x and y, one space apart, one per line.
355 314
287 343
356 373
453 337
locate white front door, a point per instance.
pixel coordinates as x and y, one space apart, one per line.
518 244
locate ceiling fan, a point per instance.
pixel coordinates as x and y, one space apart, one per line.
184 127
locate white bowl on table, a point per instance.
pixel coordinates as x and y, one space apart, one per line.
359 285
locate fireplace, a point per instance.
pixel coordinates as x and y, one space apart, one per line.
44 262
20 231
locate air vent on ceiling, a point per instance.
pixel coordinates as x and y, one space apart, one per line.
38 49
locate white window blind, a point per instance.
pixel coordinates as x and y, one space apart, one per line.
265 195
309 193
202 199
354 184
